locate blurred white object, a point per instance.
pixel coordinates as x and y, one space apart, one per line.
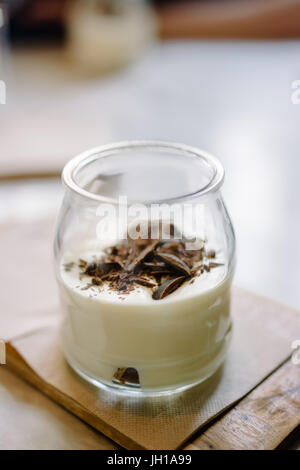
2 38
106 34
2 352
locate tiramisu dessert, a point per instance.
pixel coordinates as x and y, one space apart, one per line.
146 313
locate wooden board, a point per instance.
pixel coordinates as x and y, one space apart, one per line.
260 421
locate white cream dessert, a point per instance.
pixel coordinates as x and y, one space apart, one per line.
126 325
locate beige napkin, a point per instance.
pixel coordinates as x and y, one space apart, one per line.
262 335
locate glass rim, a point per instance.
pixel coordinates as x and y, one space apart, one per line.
80 161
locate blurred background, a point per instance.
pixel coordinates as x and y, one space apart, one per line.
217 74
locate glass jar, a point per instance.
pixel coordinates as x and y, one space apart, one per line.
144 255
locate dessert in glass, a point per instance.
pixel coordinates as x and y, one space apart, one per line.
144 255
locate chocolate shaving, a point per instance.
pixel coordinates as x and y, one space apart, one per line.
168 287
171 247
126 375
215 265
91 269
143 254
154 264
144 282
108 267
160 265
110 276
176 263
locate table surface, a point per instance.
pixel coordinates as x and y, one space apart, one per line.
232 99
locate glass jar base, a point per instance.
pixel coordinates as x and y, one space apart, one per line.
137 391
